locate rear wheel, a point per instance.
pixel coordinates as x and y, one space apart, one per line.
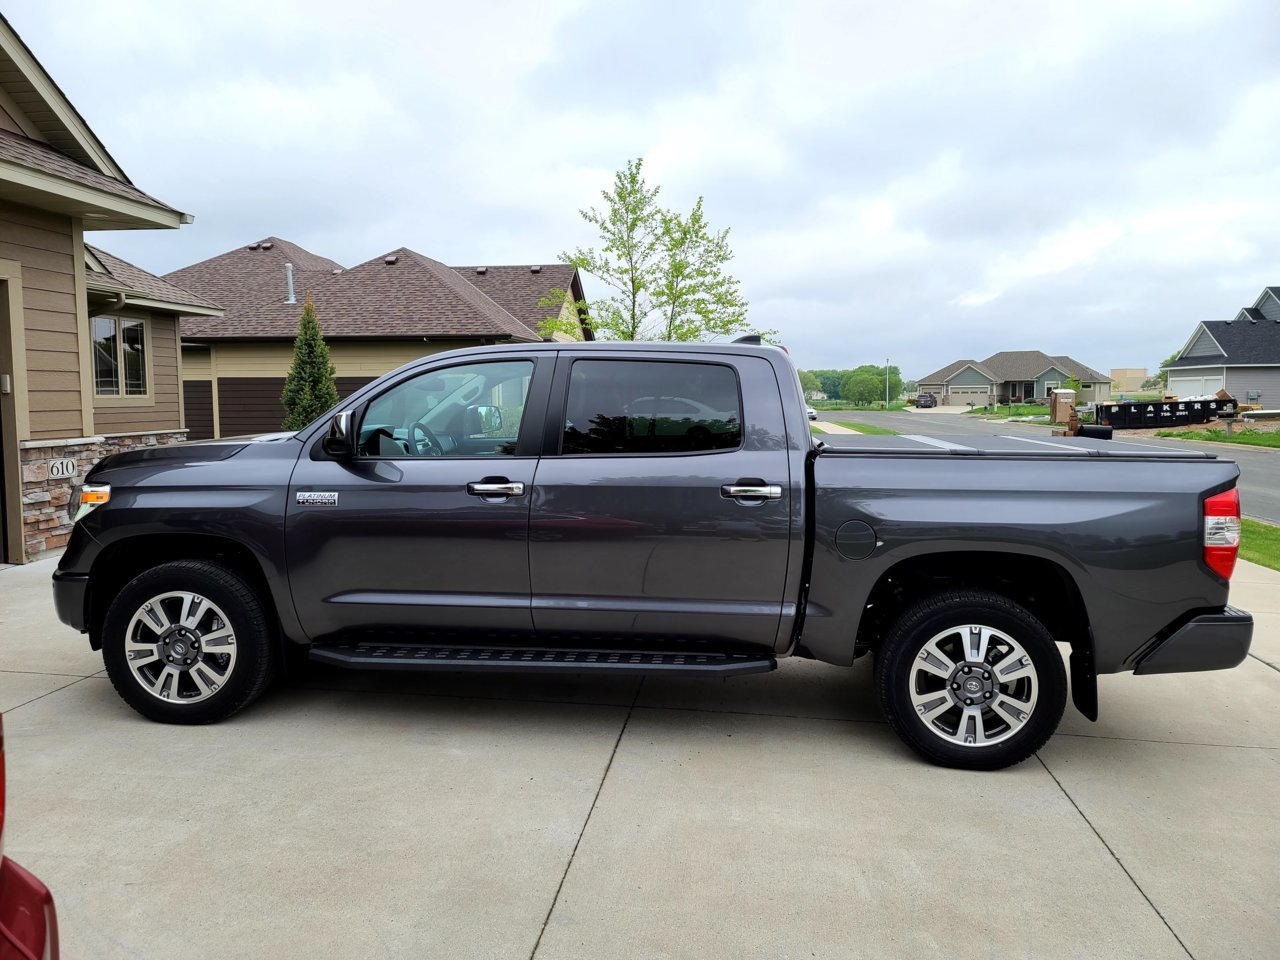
188 642
971 679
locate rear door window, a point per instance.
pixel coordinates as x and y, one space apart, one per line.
622 407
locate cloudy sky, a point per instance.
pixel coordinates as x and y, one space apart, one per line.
922 181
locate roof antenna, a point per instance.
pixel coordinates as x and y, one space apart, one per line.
288 280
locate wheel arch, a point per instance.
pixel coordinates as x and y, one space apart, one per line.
1046 589
121 561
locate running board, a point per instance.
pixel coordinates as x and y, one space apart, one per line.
386 656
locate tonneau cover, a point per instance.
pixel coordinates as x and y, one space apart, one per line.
1006 446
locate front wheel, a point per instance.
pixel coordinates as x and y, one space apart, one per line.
971 679
188 642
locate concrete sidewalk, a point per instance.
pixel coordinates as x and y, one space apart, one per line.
766 816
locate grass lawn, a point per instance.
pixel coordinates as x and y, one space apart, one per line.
867 428
1250 438
1260 543
846 405
814 430
1013 410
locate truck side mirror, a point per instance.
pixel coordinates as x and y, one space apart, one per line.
339 443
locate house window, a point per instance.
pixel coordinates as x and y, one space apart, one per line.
119 357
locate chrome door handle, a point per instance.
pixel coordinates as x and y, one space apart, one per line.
505 489
766 491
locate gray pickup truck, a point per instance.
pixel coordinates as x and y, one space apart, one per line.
654 509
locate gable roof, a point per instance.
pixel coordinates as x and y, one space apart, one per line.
951 369
1030 364
118 276
400 294
1248 342
49 115
56 162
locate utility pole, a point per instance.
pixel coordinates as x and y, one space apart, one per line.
886 383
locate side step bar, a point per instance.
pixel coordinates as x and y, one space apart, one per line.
386 656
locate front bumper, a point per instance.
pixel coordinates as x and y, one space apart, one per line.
1212 641
69 592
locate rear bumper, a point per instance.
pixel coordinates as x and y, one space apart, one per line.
1212 641
28 920
69 592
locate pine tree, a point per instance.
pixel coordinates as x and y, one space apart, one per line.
309 390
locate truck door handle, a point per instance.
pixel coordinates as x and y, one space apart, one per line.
496 488
751 491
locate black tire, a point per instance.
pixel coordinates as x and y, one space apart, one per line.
250 667
900 674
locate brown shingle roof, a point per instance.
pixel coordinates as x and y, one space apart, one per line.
252 275
413 296
33 155
518 289
127 278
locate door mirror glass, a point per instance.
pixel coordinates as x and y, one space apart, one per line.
339 441
484 420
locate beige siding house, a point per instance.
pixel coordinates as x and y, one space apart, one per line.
67 398
376 316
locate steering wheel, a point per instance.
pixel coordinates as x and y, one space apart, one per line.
428 445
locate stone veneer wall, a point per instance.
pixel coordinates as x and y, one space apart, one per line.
46 513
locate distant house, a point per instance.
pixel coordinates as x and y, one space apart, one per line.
1240 355
1128 379
1013 376
376 316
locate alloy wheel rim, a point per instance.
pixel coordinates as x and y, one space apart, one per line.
973 685
180 647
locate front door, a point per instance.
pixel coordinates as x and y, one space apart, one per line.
425 531
657 514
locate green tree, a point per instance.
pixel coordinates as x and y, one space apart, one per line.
666 272
1163 375
309 390
1073 383
809 383
862 387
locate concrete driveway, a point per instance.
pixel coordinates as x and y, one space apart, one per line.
770 816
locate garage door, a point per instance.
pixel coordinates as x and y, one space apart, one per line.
969 394
1197 386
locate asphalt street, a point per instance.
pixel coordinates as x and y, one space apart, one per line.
1259 468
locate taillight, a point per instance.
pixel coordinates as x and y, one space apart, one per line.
1222 532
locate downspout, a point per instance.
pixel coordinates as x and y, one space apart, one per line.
116 307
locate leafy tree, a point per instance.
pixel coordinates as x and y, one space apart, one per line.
309 390
1163 375
809 383
862 387
829 381
666 272
1073 383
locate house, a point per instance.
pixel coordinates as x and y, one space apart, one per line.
1013 376
88 350
1128 379
1240 355
376 316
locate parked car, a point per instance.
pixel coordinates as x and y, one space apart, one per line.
28 919
811 413
568 540
926 400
